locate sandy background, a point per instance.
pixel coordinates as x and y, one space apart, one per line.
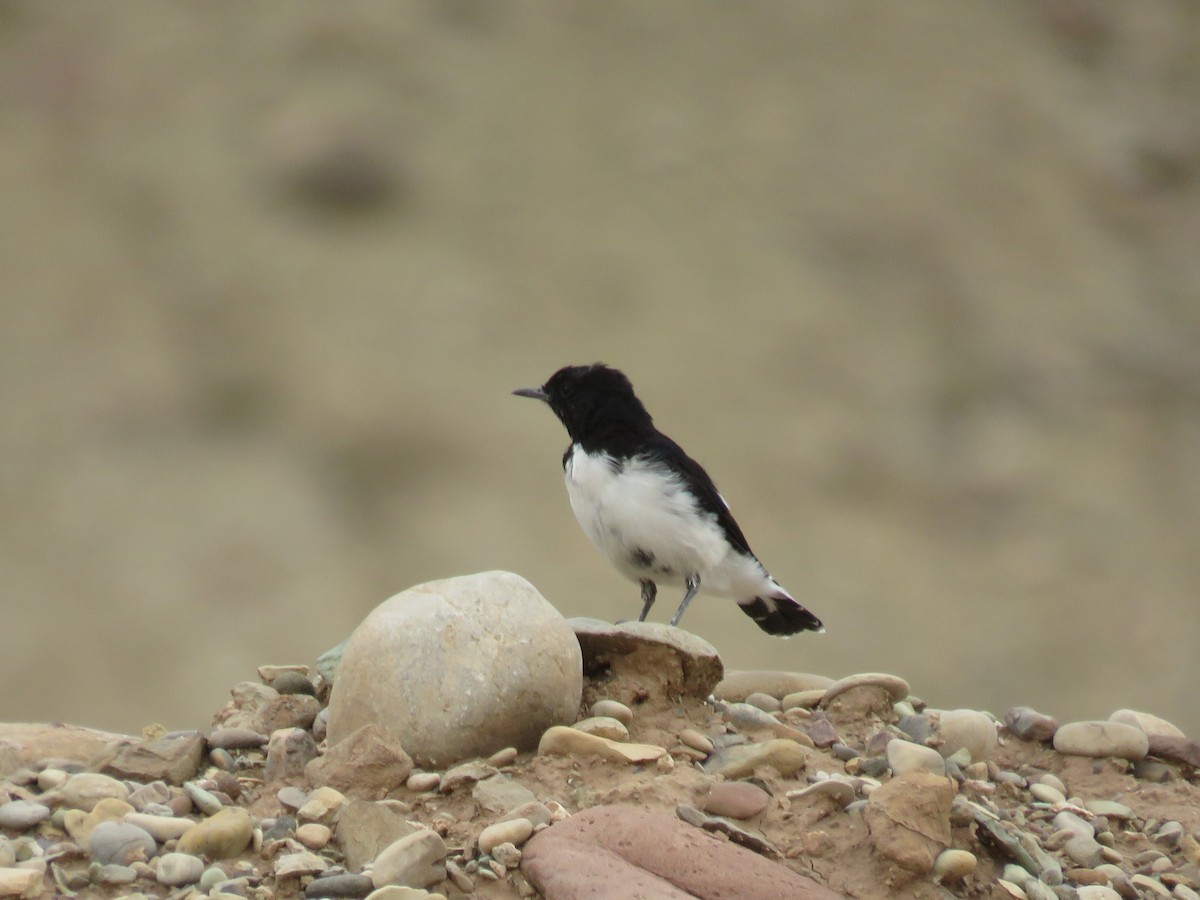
919 283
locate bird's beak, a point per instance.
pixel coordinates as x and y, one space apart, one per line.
536 393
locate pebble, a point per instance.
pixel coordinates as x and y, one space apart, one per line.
613 709
803 699
1030 725
1109 808
917 726
204 800
291 682
115 874
735 799
120 843
1152 725
85 789
1152 885
1046 793
237 739
689 737
764 701
48 779
953 865
1096 892
161 828
340 885
967 729
1101 739
514 831
22 814
18 882
314 835
298 865
785 756
226 834
322 804
736 686
419 782
560 740
291 797
905 756
176 869
507 855
603 726
504 757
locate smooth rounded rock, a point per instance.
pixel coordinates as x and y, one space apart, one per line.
340 886
177 869
614 709
423 781
226 834
161 828
512 831
22 814
120 843
314 835
967 729
689 737
953 865
905 756
1046 793
1101 739
1152 725
735 799
459 668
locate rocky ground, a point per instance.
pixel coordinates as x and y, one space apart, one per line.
778 784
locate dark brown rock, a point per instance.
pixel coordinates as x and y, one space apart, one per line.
367 764
173 759
623 851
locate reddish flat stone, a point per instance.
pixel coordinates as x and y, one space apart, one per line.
623 851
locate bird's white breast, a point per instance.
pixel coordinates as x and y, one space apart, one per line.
640 507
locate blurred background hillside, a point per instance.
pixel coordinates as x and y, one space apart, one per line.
918 282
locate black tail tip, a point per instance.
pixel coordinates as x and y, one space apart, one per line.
781 616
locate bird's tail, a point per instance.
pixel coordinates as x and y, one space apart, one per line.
779 614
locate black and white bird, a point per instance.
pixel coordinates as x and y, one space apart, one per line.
651 508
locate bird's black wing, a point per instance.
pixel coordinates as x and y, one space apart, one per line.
664 450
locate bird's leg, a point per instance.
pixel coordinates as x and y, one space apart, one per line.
649 592
693 585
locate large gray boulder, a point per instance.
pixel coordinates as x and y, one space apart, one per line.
459 668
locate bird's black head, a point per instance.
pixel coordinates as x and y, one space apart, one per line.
591 401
